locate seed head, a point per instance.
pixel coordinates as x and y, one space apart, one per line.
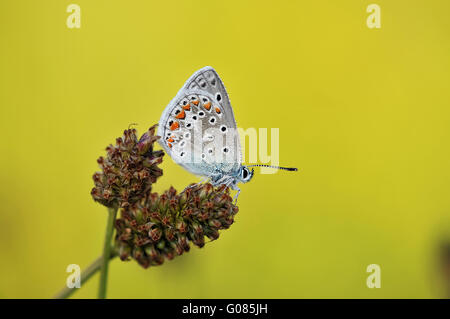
161 227
128 170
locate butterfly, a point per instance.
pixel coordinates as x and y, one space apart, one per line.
199 132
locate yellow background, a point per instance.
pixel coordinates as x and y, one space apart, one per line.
364 113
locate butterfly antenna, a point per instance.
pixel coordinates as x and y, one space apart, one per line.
291 169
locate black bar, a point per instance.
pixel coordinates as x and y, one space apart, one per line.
224 308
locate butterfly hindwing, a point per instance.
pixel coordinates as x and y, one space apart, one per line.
198 129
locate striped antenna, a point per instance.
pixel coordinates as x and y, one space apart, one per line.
291 169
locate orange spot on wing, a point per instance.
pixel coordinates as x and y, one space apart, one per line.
187 107
181 115
174 126
170 140
195 102
218 110
170 145
207 105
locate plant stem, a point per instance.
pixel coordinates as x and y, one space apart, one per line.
85 275
106 252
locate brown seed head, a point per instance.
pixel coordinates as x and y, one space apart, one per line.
128 170
149 232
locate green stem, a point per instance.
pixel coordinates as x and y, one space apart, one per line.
85 275
112 211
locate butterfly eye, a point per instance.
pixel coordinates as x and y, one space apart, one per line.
218 97
244 173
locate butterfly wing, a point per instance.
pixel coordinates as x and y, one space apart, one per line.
198 129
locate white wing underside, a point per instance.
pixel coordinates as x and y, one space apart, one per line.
198 129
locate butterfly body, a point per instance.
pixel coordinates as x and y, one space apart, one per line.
231 179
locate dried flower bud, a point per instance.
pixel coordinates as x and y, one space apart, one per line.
128 171
161 227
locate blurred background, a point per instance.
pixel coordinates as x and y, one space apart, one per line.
363 113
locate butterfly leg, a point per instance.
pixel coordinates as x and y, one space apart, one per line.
229 181
223 180
235 198
193 185
203 180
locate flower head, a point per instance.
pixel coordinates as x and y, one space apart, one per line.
160 227
128 170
